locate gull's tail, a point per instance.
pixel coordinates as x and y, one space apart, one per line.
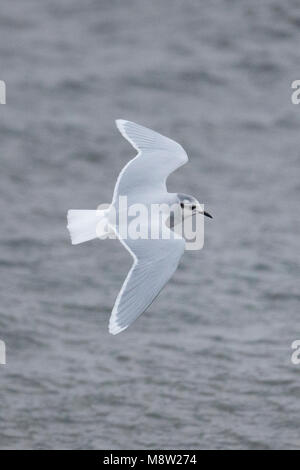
85 225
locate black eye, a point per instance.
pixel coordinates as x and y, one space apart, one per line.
193 208
182 205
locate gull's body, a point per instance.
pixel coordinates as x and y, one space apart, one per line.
142 181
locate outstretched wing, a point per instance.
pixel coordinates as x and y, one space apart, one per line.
155 261
157 157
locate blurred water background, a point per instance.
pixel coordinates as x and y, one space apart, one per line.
209 365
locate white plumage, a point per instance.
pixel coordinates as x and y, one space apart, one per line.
142 180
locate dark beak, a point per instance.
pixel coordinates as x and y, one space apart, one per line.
207 215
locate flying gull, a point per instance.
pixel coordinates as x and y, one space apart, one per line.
142 181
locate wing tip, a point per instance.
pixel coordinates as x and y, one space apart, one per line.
114 329
124 126
120 124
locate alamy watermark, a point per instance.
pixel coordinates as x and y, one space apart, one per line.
2 92
136 221
295 96
155 222
2 353
295 358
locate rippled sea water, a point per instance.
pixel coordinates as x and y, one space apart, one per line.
209 365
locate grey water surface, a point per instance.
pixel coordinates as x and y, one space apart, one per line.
209 365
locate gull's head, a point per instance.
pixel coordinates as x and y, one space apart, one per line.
190 206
